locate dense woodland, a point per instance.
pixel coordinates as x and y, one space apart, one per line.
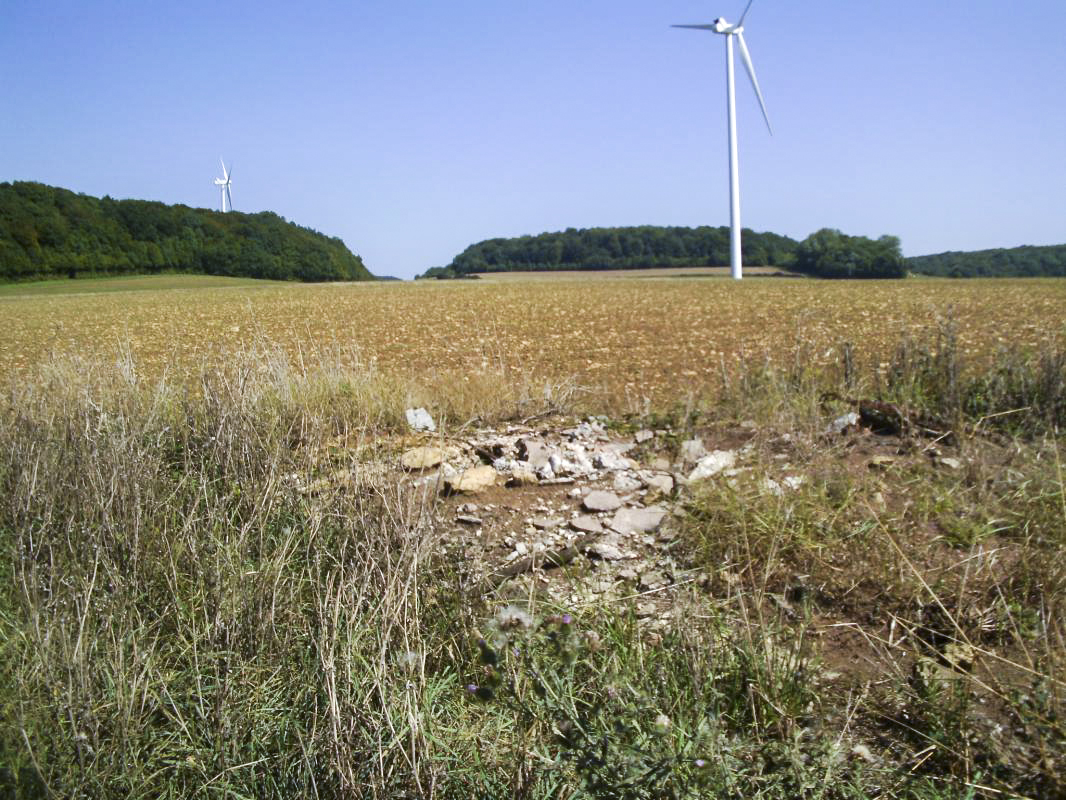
618 248
827 253
1026 261
48 232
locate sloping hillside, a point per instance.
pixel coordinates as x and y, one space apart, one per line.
1016 262
48 232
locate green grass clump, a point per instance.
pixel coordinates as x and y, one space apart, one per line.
706 710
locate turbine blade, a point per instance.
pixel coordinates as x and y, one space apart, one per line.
229 198
744 54
695 27
223 163
746 10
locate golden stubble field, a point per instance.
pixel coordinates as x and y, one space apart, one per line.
633 336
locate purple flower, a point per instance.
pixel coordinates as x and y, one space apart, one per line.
567 619
471 688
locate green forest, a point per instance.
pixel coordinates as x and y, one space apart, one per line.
1018 262
618 248
49 232
827 253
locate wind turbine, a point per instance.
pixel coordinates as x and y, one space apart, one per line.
223 187
730 32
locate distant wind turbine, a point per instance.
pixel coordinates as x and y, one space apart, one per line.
730 32
223 184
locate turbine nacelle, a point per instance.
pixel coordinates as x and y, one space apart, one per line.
720 25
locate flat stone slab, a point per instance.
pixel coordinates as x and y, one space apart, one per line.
601 501
660 483
523 477
638 520
586 524
422 458
711 465
471 481
609 549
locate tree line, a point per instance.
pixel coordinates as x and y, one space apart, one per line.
1017 262
617 248
827 253
50 232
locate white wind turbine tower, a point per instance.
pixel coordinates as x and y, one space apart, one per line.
735 32
223 184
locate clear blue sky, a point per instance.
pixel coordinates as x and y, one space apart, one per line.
412 129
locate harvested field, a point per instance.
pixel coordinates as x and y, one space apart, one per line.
632 340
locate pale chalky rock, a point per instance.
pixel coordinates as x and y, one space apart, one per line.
534 452
841 424
575 462
471 481
586 524
711 465
692 451
638 520
612 460
422 458
653 579
523 477
504 464
577 456
659 482
609 548
601 501
420 420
